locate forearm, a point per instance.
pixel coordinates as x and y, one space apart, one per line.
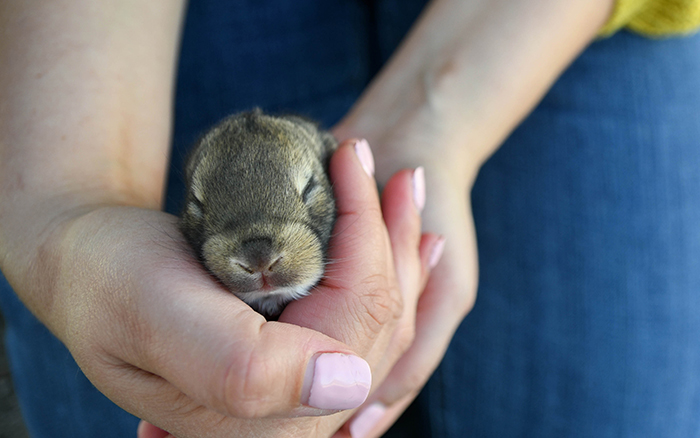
466 75
85 104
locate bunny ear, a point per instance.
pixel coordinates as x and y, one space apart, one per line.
193 159
230 126
330 144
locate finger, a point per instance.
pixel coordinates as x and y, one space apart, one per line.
234 362
447 298
358 296
147 430
403 199
438 315
374 420
404 334
415 254
431 248
183 418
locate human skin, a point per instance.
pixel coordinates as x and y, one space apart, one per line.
334 299
462 80
85 102
475 70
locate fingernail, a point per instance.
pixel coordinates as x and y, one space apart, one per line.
365 421
419 188
364 153
436 253
146 429
339 381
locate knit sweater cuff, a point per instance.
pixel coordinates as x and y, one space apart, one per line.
655 18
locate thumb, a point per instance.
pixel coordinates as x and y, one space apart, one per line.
172 340
227 358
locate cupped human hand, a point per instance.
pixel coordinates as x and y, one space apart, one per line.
166 342
446 300
448 297
432 137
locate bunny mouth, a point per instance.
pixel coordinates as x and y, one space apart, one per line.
272 301
269 287
293 292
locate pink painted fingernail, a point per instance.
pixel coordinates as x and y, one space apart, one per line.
365 421
419 188
364 153
436 253
339 381
149 430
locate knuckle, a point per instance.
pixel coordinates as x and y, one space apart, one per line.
410 384
467 305
180 406
464 300
405 334
247 389
381 305
459 299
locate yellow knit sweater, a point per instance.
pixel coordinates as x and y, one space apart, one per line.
655 18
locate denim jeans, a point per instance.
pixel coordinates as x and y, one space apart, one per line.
587 322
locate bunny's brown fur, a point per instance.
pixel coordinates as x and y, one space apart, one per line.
259 208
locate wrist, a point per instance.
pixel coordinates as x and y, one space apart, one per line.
414 136
465 77
31 238
34 208
46 250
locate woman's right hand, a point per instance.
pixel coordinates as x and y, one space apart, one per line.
86 94
154 332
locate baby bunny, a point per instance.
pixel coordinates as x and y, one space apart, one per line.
259 209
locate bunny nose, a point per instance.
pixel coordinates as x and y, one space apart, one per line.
259 255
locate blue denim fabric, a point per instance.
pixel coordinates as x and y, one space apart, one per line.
587 322
56 398
588 220
311 57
